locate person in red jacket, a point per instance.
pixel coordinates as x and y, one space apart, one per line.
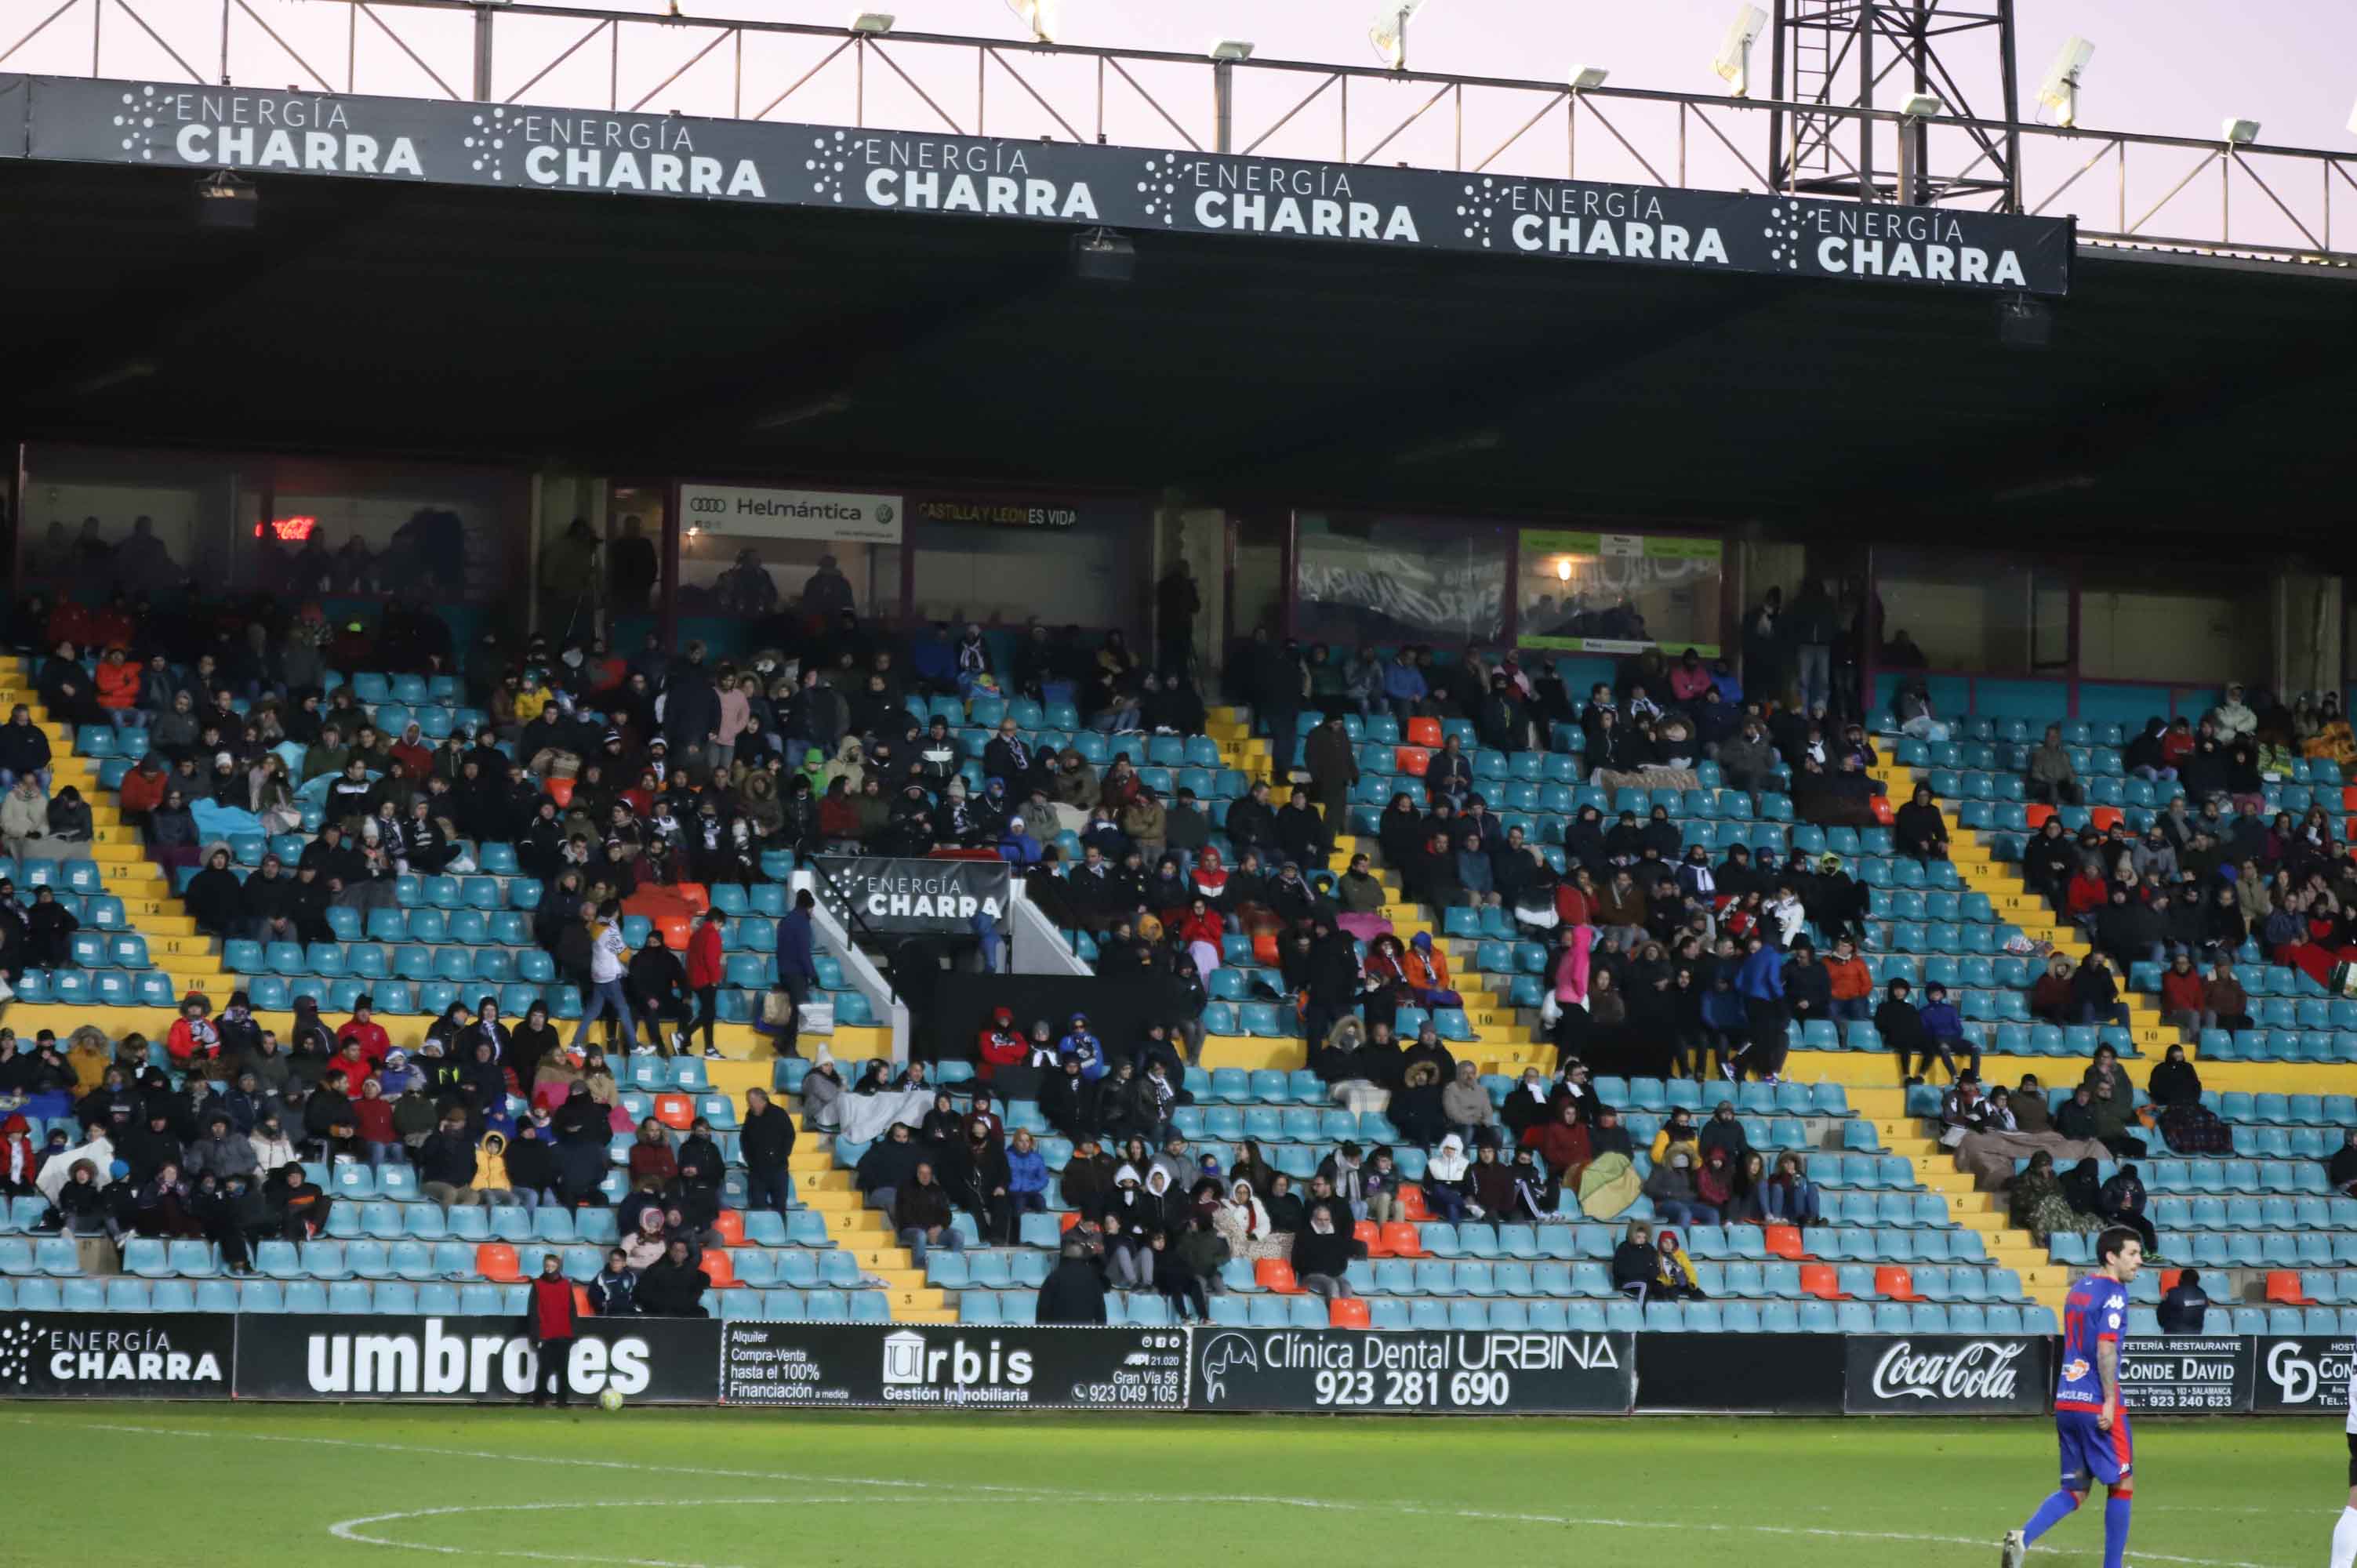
363 1028
703 971
549 1321
2184 993
193 1035
118 690
1001 1045
1562 1143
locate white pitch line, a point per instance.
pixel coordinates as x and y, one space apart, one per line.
1010 1494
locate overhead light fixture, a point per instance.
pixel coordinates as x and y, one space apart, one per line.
1101 255
1389 33
225 201
2239 133
1232 49
1584 77
1921 105
872 22
2060 91
1563 570
1044 17
1734 62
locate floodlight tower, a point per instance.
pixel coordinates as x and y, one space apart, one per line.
1880 54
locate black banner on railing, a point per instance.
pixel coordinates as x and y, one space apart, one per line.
117 1354
518 147
920 897
2308 1375
953 1367
662 1361
2211 1374
1413 1372
1948 1374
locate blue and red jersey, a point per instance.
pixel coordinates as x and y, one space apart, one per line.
2096 1310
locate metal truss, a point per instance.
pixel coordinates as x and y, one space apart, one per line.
2125 188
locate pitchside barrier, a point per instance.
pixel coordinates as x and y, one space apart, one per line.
811 1366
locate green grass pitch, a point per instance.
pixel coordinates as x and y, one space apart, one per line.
262 1485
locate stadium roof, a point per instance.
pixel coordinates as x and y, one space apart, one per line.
643 338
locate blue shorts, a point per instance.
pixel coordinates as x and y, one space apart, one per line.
2091 1454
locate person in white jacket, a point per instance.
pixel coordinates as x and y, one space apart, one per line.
608 961
273 1150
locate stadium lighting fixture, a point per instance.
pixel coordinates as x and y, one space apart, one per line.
1563 570
1920 105
1389 33
1584 77
224 201
1229 51
1734 62
2060 91
1044 17
1101 255
872 23
2239 133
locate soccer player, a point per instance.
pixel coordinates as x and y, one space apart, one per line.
2344 1533
2090 1426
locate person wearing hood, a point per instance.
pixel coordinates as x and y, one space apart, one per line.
1676 1199
1324 1247
495 1184
1448 1179
1073 1292
1132 1216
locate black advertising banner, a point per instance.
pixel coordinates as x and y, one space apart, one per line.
662 1360
2308 1375
919 898
2187 1373
255 130
1413 1372
117 1354
953 1367
1761 1374
1948 1374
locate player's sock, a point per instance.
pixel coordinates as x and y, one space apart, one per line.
2344 1539
2115 1530
2050 1512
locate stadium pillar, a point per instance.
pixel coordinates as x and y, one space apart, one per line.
2310 607
1223 106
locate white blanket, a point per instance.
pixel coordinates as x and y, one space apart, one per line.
864 1117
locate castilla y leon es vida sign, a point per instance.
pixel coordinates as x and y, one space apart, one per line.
252 132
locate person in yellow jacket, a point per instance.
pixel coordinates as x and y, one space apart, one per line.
533 697
491 1171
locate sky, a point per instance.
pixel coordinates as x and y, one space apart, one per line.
2168 67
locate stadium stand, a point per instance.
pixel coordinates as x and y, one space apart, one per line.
1875 1226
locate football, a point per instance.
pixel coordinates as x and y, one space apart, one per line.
610 1400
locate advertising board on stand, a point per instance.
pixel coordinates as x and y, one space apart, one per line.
2307 1375
2211 1374
659 1360
108 1355
1413 1372
1948 1374
819 1365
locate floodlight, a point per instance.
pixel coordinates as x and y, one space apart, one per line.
1389 33
871 22
1563 570
1734 62
2060 91
224 201
1584 77
1101 255
1232 49
1918 105
2239 133
1044 17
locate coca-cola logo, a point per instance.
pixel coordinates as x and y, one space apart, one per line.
1976 1369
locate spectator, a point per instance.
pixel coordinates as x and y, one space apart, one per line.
1944 1026
2224 1003
2052 779
920 1215
1791 1197
1633 1268
2185 1307
1919 828
1073 1290
673 1287
2036 1202
1676 1200
1324 1249
2340 1170
613 1292
445 1164
2095 994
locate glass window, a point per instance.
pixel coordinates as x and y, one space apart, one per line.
1007 558
1362 578
1965 612
751 553
1619 593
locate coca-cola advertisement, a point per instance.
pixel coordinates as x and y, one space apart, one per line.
1949 1374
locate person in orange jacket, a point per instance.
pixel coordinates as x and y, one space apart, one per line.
1851 981
118 690
704 967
